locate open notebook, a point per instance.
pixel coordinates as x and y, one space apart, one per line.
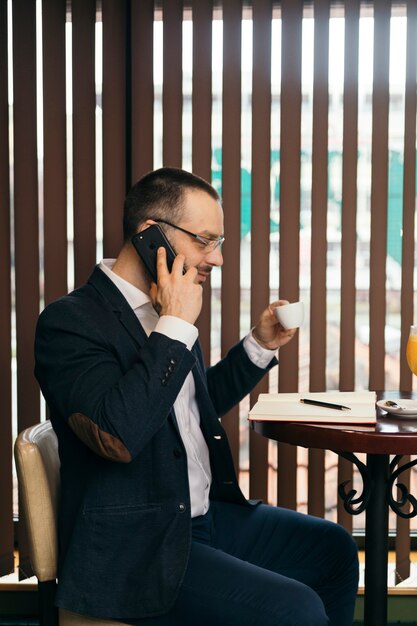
286 407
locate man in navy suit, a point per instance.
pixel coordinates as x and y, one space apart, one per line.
153 528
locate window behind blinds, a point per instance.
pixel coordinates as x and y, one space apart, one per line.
301 114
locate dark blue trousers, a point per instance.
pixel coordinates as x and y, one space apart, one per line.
265 566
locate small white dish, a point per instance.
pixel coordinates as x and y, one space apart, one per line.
408 408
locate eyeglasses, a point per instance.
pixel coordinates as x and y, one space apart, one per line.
210 244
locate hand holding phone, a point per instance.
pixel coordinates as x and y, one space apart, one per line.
176 295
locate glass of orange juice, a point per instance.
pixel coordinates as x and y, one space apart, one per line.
412 350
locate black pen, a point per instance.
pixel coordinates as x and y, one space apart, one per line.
328 405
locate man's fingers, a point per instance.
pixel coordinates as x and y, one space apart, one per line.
179 269
277 303
178 265
176 294
161 263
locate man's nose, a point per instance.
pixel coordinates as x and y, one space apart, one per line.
215 257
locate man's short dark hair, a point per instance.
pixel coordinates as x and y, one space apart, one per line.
160 195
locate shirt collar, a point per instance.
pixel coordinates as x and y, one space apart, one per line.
134 296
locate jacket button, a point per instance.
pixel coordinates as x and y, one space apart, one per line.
181 507
177 453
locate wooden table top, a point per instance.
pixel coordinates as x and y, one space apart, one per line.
390 435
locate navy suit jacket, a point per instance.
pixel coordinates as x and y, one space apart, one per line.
124 518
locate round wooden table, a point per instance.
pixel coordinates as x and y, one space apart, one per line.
390 436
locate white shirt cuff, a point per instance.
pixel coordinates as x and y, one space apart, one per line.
176 328
258 355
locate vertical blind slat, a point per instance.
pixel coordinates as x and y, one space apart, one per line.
6 509
84 168
201 129
403 541
114 123
142 88
25 206
54 142
172 85
409 193
349 202
349 211
260 218
25 223
231 158
315 482
379 195
289 222
287 476
290 169
319 198
318 300
202 89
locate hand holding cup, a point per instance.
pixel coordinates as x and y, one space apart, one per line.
290 315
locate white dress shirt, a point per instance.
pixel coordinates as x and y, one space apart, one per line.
185 406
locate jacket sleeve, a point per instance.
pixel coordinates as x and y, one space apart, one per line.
233 378
115 403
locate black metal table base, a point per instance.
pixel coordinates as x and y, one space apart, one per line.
378 478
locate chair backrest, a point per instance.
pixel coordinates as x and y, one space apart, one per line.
37 465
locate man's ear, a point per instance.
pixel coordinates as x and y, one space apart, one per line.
145 225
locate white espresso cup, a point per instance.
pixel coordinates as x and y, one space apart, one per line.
290 315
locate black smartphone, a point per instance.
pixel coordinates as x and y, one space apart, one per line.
147 243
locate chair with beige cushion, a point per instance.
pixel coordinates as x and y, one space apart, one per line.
37 464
